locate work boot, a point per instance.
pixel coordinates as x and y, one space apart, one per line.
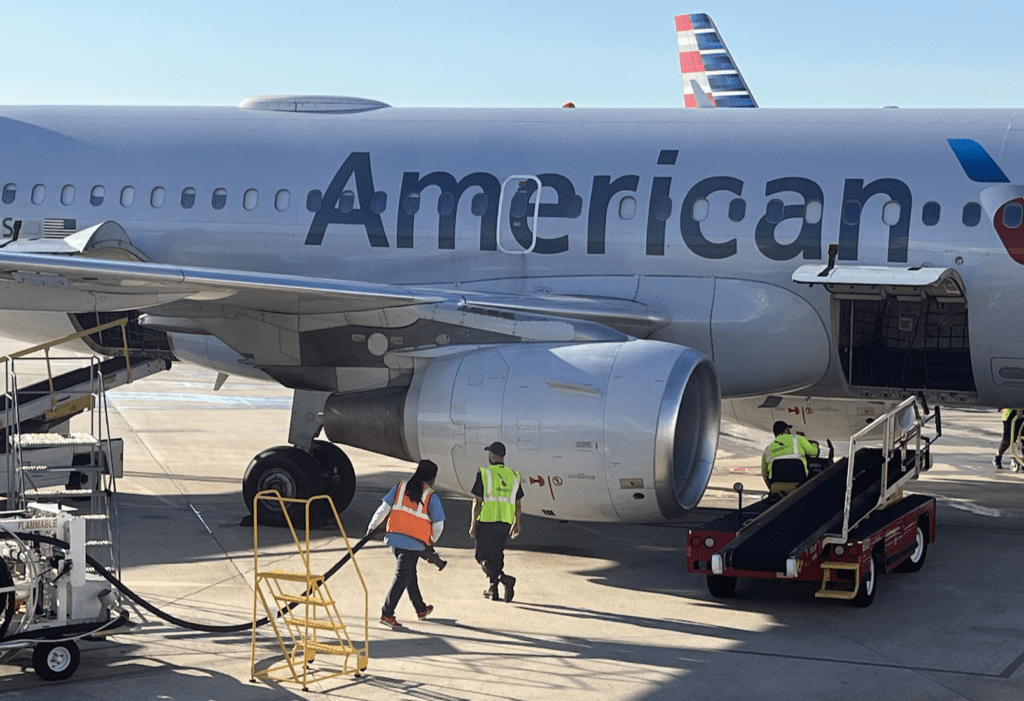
510 586
492 592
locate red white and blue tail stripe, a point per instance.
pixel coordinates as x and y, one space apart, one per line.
710 77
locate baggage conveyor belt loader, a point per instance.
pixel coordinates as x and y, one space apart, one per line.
841 528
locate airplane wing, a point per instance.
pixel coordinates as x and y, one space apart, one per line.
46 282
710 76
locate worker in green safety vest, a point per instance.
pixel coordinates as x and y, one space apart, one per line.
496 512
787 445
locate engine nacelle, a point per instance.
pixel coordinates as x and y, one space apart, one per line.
623 431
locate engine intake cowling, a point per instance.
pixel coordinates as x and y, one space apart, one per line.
623 431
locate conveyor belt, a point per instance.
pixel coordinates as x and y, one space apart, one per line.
813 510
31 409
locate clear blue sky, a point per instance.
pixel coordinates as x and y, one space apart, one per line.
601 53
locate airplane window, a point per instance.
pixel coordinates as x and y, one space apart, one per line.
157 197
851 212
38 194
379 202
127 196
347 202
700 210
188 198
10 190
774 212
250 199
220 198
97 195
520 203
313 200
575 207
1013 213
627 207
446 204
282 200
412 203
972 214
891 213
930 213
479 204
737 209
812 212
663 209
67 195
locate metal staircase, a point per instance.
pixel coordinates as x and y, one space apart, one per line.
45 462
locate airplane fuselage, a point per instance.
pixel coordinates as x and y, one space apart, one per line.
700 215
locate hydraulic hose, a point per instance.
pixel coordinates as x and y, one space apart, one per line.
174 620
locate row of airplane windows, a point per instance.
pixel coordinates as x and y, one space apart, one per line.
774 213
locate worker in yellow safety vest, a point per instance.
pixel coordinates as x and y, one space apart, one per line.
1012 419
415 520
496 511
786 445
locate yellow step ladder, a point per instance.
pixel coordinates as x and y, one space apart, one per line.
301 609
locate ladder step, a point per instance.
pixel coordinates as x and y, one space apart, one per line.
311 600
312 623
58 493
839 588
310 646
50 440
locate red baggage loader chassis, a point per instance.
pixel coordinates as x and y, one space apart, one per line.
842 528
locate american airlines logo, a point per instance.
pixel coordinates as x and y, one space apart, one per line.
361 205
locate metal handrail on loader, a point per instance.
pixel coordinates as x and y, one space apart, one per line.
896 437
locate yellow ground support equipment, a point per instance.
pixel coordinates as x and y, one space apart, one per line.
302 611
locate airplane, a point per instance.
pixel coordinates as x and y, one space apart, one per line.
584 285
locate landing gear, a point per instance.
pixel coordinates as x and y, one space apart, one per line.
340 474
292 472
296 474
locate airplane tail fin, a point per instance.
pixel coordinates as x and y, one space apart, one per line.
710 76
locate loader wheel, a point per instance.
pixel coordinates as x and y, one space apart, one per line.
721 587
916 559
56 661
866 592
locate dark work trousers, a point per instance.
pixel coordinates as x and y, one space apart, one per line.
490 547
405 580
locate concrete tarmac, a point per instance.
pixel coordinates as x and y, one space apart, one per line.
601 610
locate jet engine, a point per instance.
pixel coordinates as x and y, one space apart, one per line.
617 431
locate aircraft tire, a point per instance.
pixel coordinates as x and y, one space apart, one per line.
340 475
56 661
722 587
293 472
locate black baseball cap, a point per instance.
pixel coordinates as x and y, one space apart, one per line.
779 427
496 448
